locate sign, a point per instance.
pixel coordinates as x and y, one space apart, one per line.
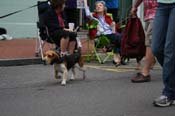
80 4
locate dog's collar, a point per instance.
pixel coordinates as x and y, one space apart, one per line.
57 53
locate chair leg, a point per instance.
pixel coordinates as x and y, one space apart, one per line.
39 48
90 50
98 56
108 56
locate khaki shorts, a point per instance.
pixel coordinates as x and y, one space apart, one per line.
148 34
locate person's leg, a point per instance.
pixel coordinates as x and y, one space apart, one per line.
159 33
115 40
169 56
149 57
71 47
64 45
163 48
149 62
72 42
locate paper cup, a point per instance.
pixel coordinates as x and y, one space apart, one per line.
71 26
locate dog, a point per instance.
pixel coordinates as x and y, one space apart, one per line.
63 64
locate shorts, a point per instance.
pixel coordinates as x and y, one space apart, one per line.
148 34
59 34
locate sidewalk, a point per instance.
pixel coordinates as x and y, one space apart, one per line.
17 52
22 51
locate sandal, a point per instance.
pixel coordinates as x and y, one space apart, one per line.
116 63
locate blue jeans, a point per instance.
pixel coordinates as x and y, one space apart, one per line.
115 39
163 45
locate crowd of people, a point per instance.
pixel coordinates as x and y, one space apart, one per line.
159 17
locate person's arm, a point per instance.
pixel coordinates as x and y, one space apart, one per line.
135 6
113 27
87 11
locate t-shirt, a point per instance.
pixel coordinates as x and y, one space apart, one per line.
166 1
149 9
71 3
111 3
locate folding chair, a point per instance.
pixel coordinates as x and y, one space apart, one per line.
43 38
100 42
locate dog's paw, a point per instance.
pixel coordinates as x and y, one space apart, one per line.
63 83
72 77
58 77
84 77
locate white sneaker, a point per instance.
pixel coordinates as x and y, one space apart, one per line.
5 37
163 101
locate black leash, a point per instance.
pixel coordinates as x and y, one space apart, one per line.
16 12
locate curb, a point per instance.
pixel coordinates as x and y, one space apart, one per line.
20 61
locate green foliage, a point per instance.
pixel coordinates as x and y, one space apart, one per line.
92 25
102 41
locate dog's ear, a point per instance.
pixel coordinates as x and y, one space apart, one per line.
50 55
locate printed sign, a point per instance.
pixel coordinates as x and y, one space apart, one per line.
80 3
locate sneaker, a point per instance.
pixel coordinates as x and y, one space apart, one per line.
140 78
173 102
5 37
163 101
116 63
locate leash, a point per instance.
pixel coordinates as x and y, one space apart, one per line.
9 14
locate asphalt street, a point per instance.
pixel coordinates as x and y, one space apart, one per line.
31 90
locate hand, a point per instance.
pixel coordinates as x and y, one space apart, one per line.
85 3
113 27
133 11
70 30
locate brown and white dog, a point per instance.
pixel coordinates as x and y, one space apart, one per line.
63 64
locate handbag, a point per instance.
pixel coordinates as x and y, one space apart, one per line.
133 41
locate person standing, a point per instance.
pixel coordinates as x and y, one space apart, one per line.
71 11
149 14
112 6
163 46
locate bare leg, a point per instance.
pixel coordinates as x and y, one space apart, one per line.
71 47
64 44
117 58
150 60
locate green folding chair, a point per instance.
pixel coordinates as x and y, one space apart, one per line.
100 42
